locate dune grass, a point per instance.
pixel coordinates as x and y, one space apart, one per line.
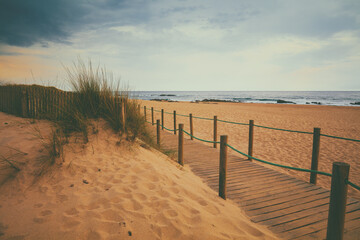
95 94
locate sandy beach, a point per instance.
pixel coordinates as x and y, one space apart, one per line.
293 149
107 189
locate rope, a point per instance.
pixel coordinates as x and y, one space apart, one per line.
203 140
349 139
285 130
203 118
233 122
279 165
353 185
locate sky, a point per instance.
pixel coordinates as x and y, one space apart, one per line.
255 45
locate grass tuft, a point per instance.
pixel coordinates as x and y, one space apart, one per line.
95 94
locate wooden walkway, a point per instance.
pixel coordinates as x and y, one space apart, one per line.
289 207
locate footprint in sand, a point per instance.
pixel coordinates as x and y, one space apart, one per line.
38 220
170 213
38 205
71 211
46 213
164 194
61 197
70 222
140 196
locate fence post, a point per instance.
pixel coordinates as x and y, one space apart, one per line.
158 132
223 167
175 122
215 131
251 138
24 103
162 119
191 126
315 155
337 207
181 145
145 112
152 115
123 113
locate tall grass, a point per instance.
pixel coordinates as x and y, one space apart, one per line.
97 95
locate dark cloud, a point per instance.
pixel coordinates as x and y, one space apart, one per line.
24 23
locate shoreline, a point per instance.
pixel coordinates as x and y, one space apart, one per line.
214 101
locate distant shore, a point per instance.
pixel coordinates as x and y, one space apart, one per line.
331 98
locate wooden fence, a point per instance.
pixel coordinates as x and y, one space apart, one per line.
39 102
34 101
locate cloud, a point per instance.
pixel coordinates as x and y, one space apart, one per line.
24 23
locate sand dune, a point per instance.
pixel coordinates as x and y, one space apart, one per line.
109 189
287 148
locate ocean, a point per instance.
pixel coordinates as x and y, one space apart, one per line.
336 98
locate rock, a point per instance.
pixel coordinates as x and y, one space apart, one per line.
167 95
283 101
317 103
355 103
85 181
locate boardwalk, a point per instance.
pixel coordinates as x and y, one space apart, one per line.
291 208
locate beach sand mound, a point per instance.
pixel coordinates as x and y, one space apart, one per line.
107 189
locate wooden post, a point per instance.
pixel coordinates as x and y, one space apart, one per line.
152 115
315 155
181 145
158 132
223 167
162 119
175 122
123 113
145 112
337 207
24 103
251 138
215 131
191 126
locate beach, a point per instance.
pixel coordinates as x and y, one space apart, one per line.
108 188
281 147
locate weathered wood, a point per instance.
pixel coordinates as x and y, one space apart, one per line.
174 122
123 114
191 127
162 119
315 155
251 138
158 132
338 194
223 167
145 113
152 115
215 131
181 145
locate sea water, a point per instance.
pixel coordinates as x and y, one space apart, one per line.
337 98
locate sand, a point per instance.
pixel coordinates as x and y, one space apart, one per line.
107 189
286 148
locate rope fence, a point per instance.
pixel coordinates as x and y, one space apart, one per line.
314 171
339 176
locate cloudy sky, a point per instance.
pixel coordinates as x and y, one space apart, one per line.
186 45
